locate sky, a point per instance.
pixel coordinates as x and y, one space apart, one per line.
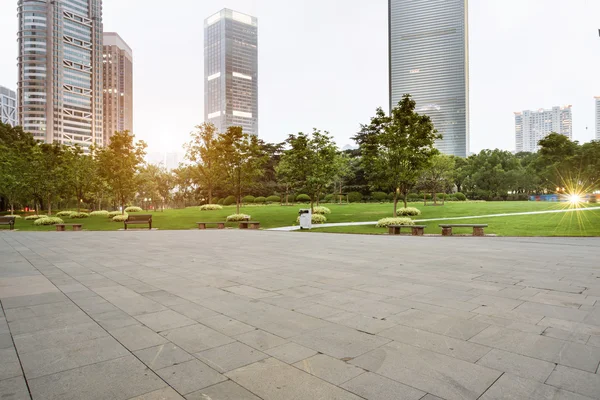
324 64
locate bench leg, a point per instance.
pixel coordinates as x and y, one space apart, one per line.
243 226
201 226
125 226
77 228
446 231
417 231
150 225
255 226
221 226
478 232
60 228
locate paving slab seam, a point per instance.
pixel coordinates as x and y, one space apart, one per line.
489 387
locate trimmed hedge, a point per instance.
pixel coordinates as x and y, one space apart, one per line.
80 215
260 200
221 202
385 222
316 219
329 198
48 221
120 218
273 199
229 200
460 196
34 217
114 214
355 197
408 211
238 217
210 207
101 213
133 209
379 196
303 198
248 199
64 214
321 210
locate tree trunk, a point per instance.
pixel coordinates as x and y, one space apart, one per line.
434 194
49 206
405 199
12 208
395 204
210 196
312 208
318 196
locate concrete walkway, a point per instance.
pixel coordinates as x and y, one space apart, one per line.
370 223
250 315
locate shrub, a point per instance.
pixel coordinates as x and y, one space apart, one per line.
330 198
64 214
379 196
460 197
316 219
120 218
48 221
34 217
114 214
303 198
248 199
221 202
133 209
385 222
17 216
238 217
273 199
215 200
260 200
229 200
321 210
102 213
210 207
408 211
441 196
391 196
426 196
79 215
355 197
413 197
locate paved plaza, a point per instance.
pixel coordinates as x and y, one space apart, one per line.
248 315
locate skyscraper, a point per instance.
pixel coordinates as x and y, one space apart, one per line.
231 71
117 78
597 137
8 106
60 81
429 59
533 126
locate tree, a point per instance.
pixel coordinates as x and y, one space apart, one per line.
438 175
241 161
119 162
16 149
396 148
203 151
81 173
165 183
47 173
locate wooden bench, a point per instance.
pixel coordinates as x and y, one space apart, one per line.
477 228
250 224
138 219
417 230
8 220
62 227
202 225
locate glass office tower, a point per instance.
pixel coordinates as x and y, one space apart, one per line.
231 71
60 70
429 59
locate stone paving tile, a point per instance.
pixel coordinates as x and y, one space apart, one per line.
40 310
165 298
95 305
594 341
517 316
115 319
249 291
223 391
190 376
48 322
164 320
319 310
570 326
430 372
64 336
118 379
525 367
361 322
6 340
194 311
502 303
226 325
329 369
160 394
566 335
376 387
514 387
438 343
9 366
137 337
566 313
272 379
196 338
290 352
162 356
14 389
577 381
260 340
438 323
340 341
230 356
28 291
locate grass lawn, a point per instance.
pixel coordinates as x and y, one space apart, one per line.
573 224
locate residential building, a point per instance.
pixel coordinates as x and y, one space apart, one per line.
117 78
8 106
429 59
60 76
597 137
533 126
231 71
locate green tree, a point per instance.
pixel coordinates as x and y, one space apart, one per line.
47 174
81 173
438 176
16 148
119 163
395 149
203 151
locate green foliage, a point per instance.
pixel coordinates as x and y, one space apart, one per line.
248 199
79 215
260 200
211 207
441 196
438 175
412 197
379 196
273 199
133 209
321 210
408 211
203 152
101 213
64 214
238 218
303 198
34 217
329 198
114 214
460 196
385 222
316 219
355 197
47 221
120 218
222 202
229 200
216 200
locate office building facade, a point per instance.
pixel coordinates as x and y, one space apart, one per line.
597 136
117 81
429 59
533 126
8 106
60 81
231 71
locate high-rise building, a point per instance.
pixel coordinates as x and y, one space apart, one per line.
8 106
231 71
60 76
429 59
533 126
597 137
117 75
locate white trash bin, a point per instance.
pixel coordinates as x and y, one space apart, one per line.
305 218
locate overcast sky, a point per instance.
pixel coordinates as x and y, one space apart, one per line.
323 63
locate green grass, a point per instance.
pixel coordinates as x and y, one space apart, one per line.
569 224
